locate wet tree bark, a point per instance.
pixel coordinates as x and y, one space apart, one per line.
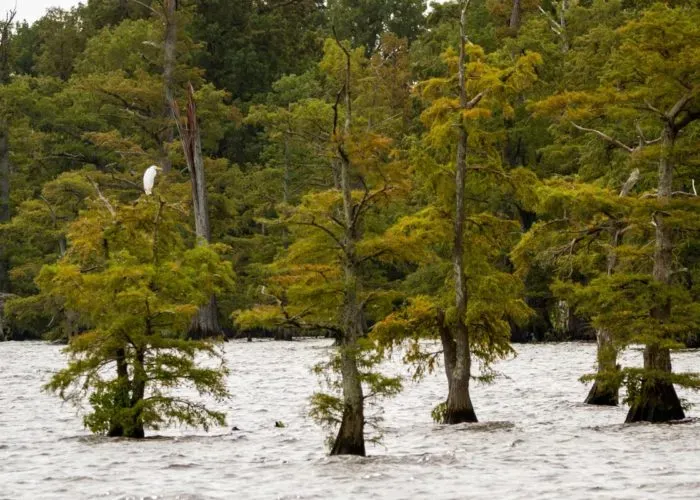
206 322
658 401
604 392
459 404
138 392
117 428
350 439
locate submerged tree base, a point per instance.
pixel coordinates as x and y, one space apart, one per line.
460 416
601 395
348 447
351 438
133 433
658 402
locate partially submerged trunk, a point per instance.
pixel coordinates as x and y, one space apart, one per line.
657 400
206 322
459 404
604 391
606 387
130 393
350 439
126 425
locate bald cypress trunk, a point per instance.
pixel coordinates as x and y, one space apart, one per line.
206 322
514 23
604 392
605 389
169 63
350 439
657 400
5 37
459 404
122 397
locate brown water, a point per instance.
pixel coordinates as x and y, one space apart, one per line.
536 440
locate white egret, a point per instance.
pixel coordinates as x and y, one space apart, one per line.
149 178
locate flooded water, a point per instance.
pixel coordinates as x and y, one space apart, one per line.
536 439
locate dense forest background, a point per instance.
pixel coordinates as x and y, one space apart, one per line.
83 106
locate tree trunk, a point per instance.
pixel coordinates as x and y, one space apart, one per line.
4 202
514 23
206 322
350 439
121 400
449 349
169 64
605 389
459 405
604 392
657 400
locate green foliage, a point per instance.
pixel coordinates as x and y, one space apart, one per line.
566 104
495 296
137 286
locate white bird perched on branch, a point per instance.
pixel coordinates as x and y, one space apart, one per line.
149 178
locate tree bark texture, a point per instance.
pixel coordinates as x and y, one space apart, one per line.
350 439
658 401
169 64
459 405
605 393
514 23
206 322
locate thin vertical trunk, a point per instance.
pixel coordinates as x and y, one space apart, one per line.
658 401
459 405
350 439
5 37
122 396
514 23
206 322
138 392
449 349
562 24
4 202
605 389
169 63
4 173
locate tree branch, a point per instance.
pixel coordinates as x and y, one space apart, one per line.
604 136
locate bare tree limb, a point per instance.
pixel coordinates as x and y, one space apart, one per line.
102 198
605 136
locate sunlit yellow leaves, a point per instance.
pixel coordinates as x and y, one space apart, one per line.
475 113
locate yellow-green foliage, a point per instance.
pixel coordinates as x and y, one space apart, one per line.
136 287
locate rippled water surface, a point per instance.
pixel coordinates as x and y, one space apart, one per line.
535 440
